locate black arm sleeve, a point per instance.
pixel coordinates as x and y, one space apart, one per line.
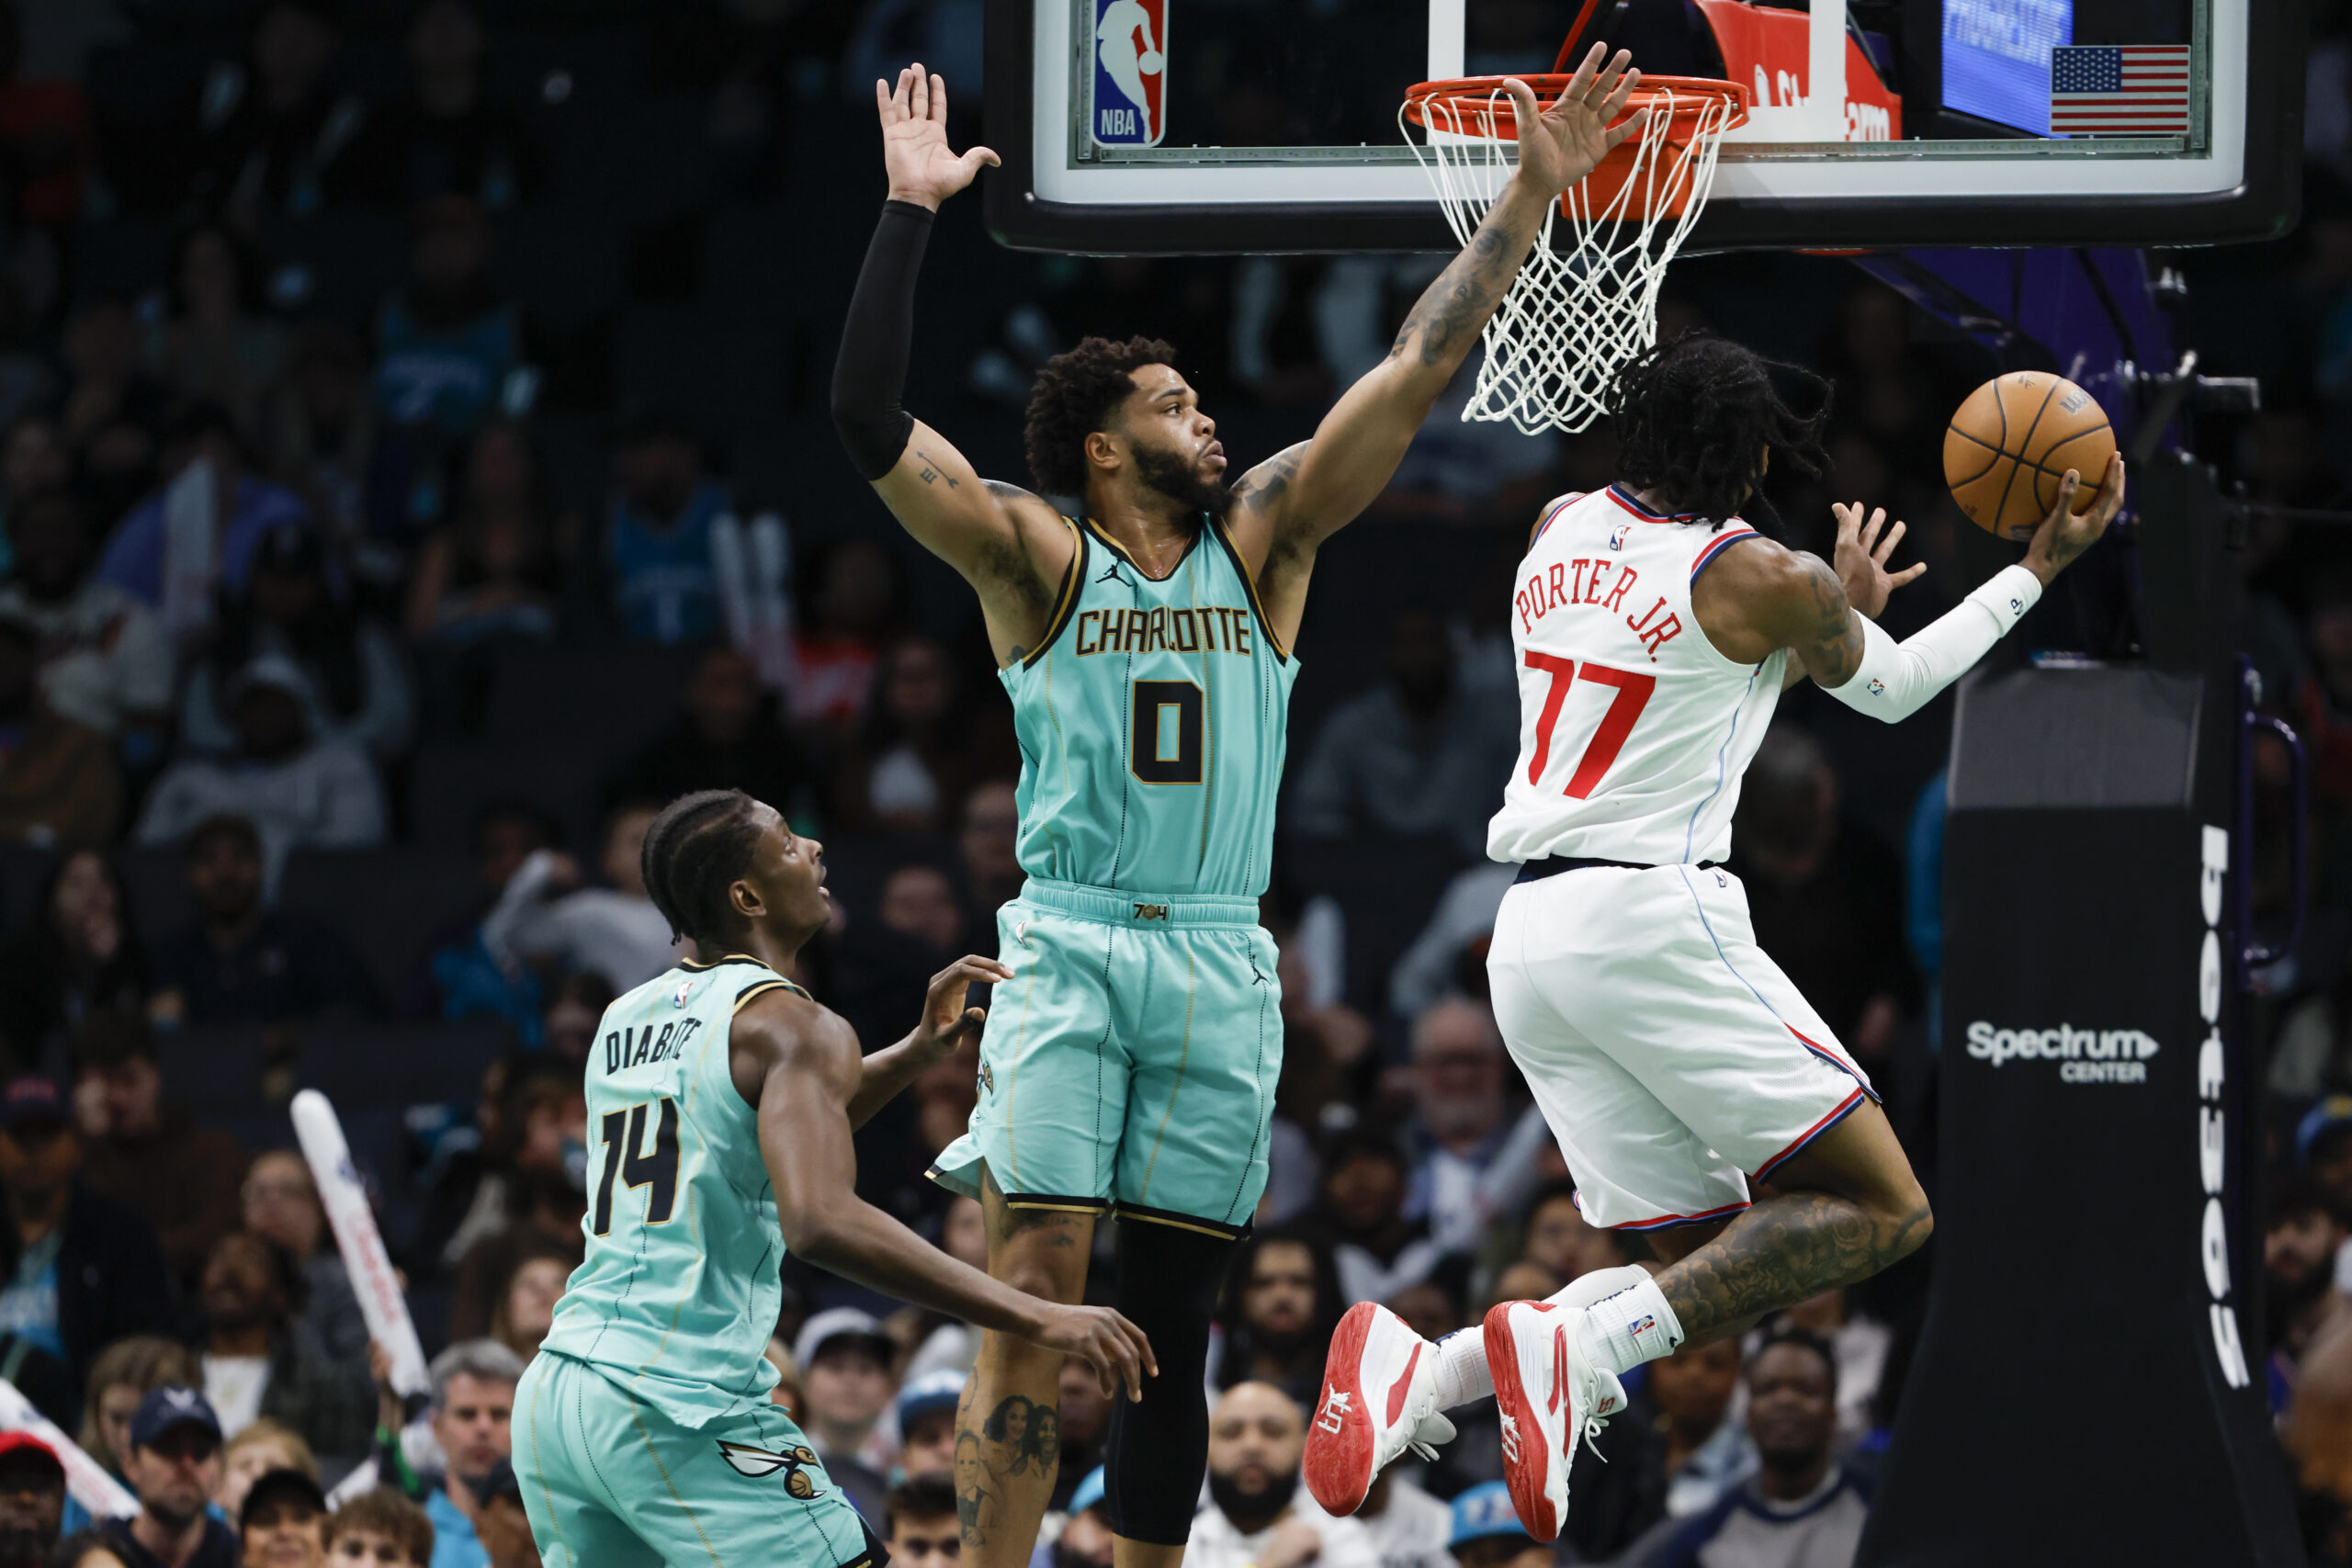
871 374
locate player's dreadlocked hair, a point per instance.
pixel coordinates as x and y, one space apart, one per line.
698 846
1075 392
1692 416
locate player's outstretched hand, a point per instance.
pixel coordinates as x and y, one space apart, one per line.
914 140
1561 143
946 1022
1115 1348
2063 535
1861 558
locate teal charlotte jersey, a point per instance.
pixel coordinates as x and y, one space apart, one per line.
643 1433
1131 1061
1152 719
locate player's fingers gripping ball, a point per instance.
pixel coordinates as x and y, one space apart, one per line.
2009 445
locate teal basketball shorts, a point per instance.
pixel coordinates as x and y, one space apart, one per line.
610 1481
1129 1065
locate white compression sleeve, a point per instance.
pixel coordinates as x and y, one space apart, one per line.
1895 680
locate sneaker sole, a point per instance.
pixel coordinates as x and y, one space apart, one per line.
1337 1465
1529 1475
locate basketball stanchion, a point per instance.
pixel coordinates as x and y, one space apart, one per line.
1578 312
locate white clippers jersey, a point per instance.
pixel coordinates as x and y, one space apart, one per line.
1634 730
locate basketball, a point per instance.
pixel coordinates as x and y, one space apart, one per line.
1149 62
2008 447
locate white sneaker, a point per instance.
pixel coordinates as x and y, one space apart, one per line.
1379 1398
1549 1395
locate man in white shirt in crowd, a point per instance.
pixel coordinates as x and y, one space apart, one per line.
614 930
1257 1514
1410 1528
105 663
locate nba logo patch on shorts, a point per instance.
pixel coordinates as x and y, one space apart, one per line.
1130 61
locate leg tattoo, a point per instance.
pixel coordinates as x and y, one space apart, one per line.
1783 1250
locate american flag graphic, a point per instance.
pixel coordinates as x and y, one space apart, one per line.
2119 89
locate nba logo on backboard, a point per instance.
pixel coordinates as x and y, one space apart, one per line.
1130 57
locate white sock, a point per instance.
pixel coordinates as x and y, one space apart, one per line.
1631 1326
1463 1375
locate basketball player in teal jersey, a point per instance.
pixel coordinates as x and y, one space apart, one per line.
1146 643
720 1100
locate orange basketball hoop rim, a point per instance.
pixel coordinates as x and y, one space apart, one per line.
1690 106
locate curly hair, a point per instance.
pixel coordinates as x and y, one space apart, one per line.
1692 416
1075 393
694 852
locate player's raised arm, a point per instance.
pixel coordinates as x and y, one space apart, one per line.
1763 597
1006 542
800 1064
1299 497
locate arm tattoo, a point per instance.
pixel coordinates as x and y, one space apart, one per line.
931 472
1836 640
1453 310
1783 1250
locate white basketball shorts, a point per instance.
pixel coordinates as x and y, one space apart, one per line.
1672 1058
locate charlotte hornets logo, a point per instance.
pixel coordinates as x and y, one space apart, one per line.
758 1464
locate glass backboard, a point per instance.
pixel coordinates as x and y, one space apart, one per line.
1203 126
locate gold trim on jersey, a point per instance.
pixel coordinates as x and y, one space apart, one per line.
759 988
1249 587
1073 584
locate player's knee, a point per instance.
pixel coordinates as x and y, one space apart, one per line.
1048 1280
1907 1223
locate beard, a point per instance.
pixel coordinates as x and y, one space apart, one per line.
1164 473
1252 1511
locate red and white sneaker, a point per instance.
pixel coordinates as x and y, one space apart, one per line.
1549 1395
1379 1398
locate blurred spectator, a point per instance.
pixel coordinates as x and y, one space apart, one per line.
78 956
1483 1531
2324 1150
1858 1343
32 1500
241 961
106 663
1886 387
59 784
922 746
276 139
384 1529
301 790
261 1358
87 1548
281 1522
542 1198
279 1203
214 345
923 1526
858 591
1281 1301
1085 1541
1083 1411
198 533
34 459
1429 1309
1377 1251
472 1417
27 382
786 1394
1410 1528
568 1028
1560 1240
2299 1245
495 568
173 1465
467 980
1257 1516
81 1273
147 1153
531 1107
1476 1161
844 1359
120 1379
545 914
1449 957
265 1444
729 737
989 842
1678 1452
1417 755
109 383
444 135
951 1346
926 1413
658 532
1800 1509
503 1523
357 688
1826 896
323 438
881 969
525 1309
445 344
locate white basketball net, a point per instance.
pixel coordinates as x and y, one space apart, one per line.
1575 314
